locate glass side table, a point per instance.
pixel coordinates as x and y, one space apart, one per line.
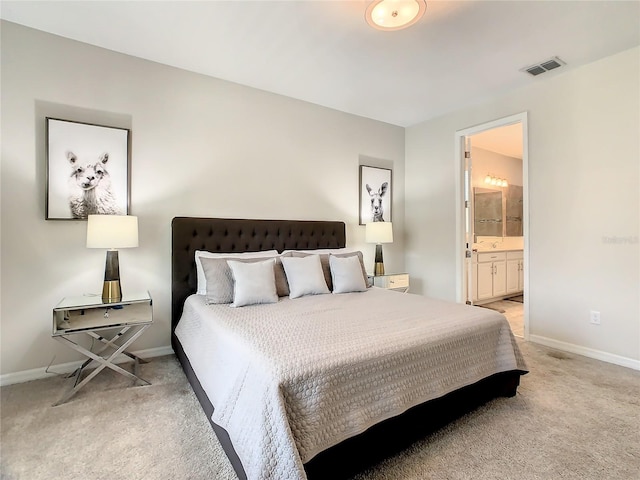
88 315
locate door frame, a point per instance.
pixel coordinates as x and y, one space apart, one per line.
460 135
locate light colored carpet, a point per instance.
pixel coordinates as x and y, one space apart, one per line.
573 418
110 430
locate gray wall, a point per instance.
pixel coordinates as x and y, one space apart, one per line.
200 147
206 147
583 174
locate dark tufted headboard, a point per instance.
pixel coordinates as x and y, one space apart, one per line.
228 235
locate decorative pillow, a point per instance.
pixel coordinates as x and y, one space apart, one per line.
202 280
253 283
318 251
346 274
220 279
326 268
305 276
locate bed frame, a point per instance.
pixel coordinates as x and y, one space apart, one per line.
355 454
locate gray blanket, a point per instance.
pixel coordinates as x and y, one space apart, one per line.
291 379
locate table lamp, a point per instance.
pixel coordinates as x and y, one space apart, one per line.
112 232
379 233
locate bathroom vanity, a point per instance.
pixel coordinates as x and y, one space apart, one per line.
498 274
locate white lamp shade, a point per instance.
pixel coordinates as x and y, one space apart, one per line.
112 231
379 232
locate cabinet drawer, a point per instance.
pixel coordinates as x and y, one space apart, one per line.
492 257
516 255
400 280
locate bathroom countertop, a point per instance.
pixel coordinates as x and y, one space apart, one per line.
497 249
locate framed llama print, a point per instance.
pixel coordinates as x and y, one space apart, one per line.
375 194
88 170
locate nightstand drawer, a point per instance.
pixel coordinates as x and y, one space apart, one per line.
80 314
392 282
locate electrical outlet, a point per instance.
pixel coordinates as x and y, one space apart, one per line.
595 317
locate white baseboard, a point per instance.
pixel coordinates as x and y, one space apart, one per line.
587 352
38 373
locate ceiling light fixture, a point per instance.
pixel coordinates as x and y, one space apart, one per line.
394 14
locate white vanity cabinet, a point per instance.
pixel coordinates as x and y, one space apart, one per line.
515 272
497 274
492 275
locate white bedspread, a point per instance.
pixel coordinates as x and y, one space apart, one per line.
291 379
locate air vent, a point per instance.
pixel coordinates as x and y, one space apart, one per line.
543 67
537 70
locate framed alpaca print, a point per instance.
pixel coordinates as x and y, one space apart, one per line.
88 170
375 194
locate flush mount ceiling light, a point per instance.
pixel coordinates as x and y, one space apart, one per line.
394 14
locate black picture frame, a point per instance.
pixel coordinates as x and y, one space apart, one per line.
375 198
88 169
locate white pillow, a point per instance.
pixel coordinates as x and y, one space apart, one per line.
305 276
346 273
253 282
335 251
202 279
324 262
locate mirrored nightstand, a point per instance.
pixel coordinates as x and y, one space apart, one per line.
395 281
116 325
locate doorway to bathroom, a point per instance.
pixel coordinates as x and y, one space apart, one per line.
493 219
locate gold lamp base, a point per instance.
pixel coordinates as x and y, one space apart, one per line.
111 291
111 288
378 266
378 269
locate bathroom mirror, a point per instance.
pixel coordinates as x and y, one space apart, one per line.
487 212
513 211
498 213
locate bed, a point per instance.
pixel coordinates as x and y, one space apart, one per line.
315 387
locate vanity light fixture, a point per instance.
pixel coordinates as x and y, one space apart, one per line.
391 15
495 181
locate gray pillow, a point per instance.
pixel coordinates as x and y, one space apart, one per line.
220 279
199 254
326 268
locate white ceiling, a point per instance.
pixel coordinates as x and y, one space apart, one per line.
504 140
324 52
